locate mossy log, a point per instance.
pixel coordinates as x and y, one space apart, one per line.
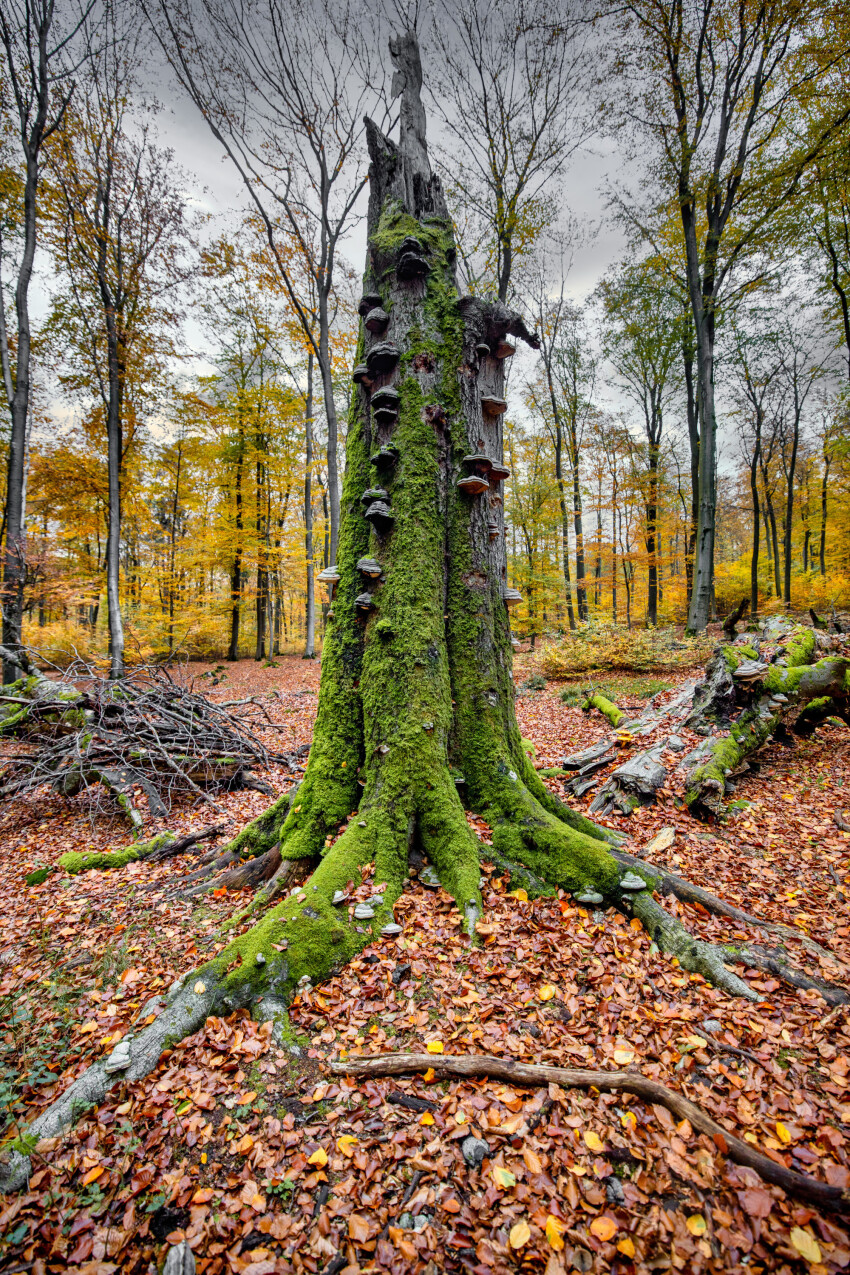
609 710
415 690
794 691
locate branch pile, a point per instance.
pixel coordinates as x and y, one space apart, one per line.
147 732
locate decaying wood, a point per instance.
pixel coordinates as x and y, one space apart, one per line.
147 732
799 1185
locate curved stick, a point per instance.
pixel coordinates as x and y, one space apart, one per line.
799 1185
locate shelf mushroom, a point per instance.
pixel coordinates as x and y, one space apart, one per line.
364 602
493 405
498 472
473 484
385 405
369 301
382 358
512 597
381 516
505 349
411 263
376 320
370 567
360 375
372 494
330 578
385 457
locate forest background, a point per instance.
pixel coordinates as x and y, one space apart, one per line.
178 371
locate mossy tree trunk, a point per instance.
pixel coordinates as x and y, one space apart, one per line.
416 704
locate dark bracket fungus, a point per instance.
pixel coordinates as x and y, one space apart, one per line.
370 567
493 405
369 301
382 358
376 320
473 485
384 458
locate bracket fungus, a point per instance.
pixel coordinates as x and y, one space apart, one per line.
493 405
376 320
411 263
512 597
329 577
473 484
360 375
381 516
364 602
505 349
369 301
382 358
371 494
370 567
499 473
385 457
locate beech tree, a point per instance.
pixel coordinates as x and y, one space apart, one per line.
118 235
713 85
416 707
40 59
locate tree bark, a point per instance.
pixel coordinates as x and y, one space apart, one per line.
310 611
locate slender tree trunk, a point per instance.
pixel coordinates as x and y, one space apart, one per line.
754 493
172 561
578 526
693 445
789 510
331 419
310 617
824 485
115 448
236 569
562 505
652 535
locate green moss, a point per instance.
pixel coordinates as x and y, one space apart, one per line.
734 655
38 877
74 861
609 710
528 748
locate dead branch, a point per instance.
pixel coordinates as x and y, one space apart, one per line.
799 1185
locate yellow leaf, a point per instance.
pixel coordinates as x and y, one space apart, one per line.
623 1056
93 1175
318 1157
696 1224
346 1144
592 1141
629 1120
520 1234
782 1132
244 1145
426 1118
805 1244
123 1109
89 1027
434 1047
200 988
697 1042
554 1230
461 1117
503 1177
626 1247
604 1228
547 991
522 895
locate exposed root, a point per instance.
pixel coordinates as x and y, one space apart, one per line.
666 882
840 822
799 1185
774 961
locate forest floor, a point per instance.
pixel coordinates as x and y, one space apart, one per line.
265 1163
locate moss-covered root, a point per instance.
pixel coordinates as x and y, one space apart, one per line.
301 940
692 954
606 707
74 861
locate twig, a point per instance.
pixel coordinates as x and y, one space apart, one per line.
797 1184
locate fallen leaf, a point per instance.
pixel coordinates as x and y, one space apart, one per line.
782 1132
199 988
503 1177
426 1118
623 1056
318 1157
522 895
696 1224
532 1161
593 1141
93 1174
604 1228
805 1244
520 1234
434 1046
244 1145
554 1231
626 1247
359 1228
547 992
203 1194
346 1144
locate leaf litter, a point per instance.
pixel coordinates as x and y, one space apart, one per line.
265 1162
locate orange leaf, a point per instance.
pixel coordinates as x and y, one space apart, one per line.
358 1228
592 1141
603 1227
626 1247
532 1162
554 1231
203 1194
426 1118
93 1174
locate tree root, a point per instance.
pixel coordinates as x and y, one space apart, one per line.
798 1185
840 822
667 882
